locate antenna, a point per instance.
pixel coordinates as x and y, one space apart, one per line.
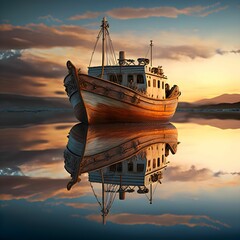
151 45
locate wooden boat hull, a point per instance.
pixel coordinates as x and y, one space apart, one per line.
95 100
93 147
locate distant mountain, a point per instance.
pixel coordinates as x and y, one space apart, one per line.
18 110
194 106
20 102
224 98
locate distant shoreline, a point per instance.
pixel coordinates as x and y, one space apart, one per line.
17 111
206 110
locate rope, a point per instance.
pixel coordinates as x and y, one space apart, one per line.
109 47
155 188
99 35
112 48
147 53
110 197
95 195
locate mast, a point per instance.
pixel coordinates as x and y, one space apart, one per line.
104 27
103 199
104 33
150 193
151 45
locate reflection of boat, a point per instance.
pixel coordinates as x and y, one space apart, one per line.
121 157
122 92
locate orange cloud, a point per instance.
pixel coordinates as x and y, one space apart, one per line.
81 205
34 36
39 189
168 12
192 174
195 175
180 51
162 220
43 36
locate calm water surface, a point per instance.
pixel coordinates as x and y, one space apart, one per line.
179 181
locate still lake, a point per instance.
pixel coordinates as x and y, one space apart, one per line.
177 181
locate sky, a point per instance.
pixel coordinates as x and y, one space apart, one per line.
196 42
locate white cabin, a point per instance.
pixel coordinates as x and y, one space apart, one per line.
141 170
142 77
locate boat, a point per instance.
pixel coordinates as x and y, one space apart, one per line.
122 92
125 159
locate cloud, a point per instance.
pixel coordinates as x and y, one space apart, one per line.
13 65
221 173
50 18
235 51
182 51
131 13
193 174
16 158
204 14
168 12
36 137
86 15
29 188
162 220
82 205
11 171
39 189
223 52
27 74
60 92
43 36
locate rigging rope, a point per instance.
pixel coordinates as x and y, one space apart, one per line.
109 48
110 197
95 195
147 53
99 35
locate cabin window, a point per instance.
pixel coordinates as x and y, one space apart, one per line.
140 78
154 82
130 78
130 167
162 85
140 167
117 78
149 84
158 83
112 168
154 163
119 167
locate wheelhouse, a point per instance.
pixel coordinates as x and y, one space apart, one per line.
142 77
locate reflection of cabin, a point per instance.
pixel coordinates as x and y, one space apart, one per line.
142 77
140 170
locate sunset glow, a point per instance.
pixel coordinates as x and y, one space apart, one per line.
196 43
144 145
